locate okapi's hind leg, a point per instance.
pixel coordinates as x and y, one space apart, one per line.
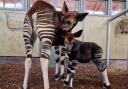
29 39
44 60
97 59
105 79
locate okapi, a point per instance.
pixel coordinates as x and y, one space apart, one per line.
83 52
47 21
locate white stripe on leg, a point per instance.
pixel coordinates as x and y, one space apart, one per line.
44 66
67 78
62 70
57 68
57 63
71 82
62 58
105 77
28 63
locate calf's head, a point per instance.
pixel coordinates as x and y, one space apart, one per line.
70 38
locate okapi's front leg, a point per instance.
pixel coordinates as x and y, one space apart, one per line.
60 58
70 74
97 59
57 56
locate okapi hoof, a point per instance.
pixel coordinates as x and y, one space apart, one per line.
69 88
106 87
57 76
66 83
62 77
23 88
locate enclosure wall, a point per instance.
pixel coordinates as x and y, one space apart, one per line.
11 40
95 27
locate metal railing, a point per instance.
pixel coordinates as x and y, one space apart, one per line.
109 34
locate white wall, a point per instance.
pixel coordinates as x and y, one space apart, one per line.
95 27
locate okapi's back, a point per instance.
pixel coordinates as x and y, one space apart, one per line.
84 51
92 45
39 6
90 48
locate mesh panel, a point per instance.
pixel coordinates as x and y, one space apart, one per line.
15 19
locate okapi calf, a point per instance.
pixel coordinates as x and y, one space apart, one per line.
83 52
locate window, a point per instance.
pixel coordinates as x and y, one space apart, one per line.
96 7
11 4
117 6
49 1
72 4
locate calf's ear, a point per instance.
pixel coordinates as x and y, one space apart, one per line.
81 16
78 34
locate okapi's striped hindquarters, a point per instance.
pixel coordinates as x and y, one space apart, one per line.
44 28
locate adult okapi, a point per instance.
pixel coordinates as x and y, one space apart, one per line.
83 52
47 21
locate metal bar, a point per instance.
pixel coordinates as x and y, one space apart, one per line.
119 14
109 9
126 3
82 10
79 6
109 34
26 4
127 59
82 5
108 43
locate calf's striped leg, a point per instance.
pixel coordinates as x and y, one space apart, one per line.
97 59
